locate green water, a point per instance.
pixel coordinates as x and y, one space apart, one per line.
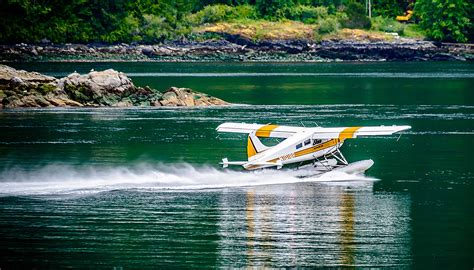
141 188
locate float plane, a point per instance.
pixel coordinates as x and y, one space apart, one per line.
317 147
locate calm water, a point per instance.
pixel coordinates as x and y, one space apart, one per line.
141 188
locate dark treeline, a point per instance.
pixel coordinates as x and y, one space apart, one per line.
149 21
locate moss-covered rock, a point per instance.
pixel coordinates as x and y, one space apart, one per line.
46 88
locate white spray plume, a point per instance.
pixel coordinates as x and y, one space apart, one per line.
63 179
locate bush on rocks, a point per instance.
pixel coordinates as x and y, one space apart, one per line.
380 23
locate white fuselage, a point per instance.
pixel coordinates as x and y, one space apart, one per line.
297 148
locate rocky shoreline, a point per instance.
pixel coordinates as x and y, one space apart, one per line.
108 88
237 48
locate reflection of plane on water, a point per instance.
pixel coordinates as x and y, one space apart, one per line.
315 146
313 225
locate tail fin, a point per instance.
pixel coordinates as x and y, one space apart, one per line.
254 145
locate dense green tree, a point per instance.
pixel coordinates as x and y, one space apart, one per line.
389 8
113 21
325 3
445 20
357 17
202 3
273 9
74 21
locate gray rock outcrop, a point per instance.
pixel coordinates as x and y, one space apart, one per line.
187 97
19 88
238 48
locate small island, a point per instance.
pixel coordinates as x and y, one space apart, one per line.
108 88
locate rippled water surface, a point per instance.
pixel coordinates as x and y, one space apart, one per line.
141 188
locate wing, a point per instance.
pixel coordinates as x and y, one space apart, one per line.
276 131
354 132
273 131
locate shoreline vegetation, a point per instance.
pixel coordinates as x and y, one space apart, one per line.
108 88
236 30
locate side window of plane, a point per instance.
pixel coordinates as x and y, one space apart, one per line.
298 146
316 141
308 141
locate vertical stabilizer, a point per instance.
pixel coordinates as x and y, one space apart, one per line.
254 145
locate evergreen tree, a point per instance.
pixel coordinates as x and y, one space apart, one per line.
273 9
445 20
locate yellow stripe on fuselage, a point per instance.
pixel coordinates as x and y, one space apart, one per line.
348 133
316 148
313 149
265 131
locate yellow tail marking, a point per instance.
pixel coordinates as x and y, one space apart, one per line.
348 133
250 148
265 131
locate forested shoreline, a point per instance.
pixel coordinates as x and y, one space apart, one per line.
158 21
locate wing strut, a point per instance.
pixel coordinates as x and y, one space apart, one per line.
341 157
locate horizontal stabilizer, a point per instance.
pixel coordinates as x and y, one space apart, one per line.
225 163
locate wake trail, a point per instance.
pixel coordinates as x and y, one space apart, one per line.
62 179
